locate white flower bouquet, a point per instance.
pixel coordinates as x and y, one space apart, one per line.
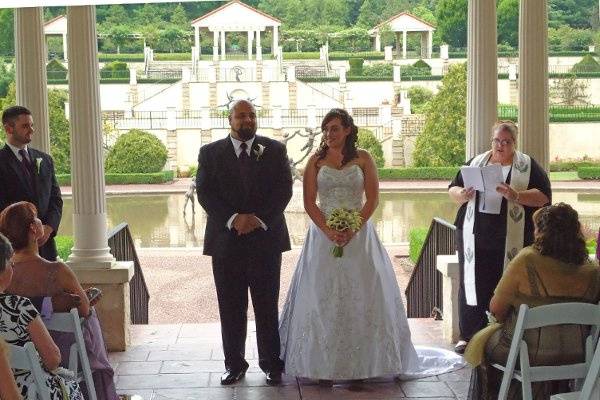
342 219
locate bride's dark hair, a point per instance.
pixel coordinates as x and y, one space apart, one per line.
349 151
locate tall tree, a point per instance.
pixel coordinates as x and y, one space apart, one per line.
116 15
7 38
452 21
575 13
442 141
508 22
179 18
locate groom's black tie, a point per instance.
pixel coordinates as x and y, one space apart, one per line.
26 167
244 162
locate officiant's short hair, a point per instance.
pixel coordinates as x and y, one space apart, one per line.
506 125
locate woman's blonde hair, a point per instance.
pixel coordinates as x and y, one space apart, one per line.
508 126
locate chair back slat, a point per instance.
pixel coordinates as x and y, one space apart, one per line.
27 358
562 313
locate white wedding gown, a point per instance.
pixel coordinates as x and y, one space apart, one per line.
343 317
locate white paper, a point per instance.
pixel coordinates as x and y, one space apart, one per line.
472 178
491 201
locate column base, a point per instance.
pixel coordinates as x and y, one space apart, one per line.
113 309
448 266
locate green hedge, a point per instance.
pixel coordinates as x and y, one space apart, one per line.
361 78
588 172
172 57
125 179
441 173
137 57
64 244
366 55
563 166
416 240
302 55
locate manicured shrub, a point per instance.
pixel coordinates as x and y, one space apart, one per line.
368 141
356 66
563 166
379 70
64 244
419 96
125 179
416 240
422 65
424 173
136 151
587 64
56 70
115 69
588 173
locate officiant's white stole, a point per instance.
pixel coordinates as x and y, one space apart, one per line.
515 221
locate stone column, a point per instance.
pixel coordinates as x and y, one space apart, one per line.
398 49
215 45
404 44
89 205
133 89
482 76
377 42
197 41
429 44
30 65
311 116
444 52
424 43
448 266
205 126
258 47
388 54
223 55
277 122
91 259
249 45
65 47
533 80
275 45
172 138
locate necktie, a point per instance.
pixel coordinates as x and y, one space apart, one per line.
244 161
25 165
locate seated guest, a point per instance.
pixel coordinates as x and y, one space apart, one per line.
20 323
8 386
555 269
37 277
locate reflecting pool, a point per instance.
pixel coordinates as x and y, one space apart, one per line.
159 221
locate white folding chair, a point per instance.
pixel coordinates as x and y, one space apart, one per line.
591 385
27 358
70 322
531 318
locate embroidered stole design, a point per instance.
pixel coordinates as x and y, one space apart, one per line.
515 221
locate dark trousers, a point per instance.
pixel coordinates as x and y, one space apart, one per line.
489 265
233 277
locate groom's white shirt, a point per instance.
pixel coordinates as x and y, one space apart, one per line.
238 150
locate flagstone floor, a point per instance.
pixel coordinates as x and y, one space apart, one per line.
185 361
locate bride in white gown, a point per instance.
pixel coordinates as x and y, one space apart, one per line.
344 317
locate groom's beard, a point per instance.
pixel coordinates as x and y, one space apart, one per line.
246 133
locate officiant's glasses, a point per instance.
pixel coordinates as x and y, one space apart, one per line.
503 142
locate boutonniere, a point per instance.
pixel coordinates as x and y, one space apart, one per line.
38 163
259 152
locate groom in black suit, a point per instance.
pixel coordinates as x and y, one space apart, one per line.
27 174
244 183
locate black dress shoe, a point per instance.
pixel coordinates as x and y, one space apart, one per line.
273 378
232 376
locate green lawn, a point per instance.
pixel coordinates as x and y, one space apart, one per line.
564 176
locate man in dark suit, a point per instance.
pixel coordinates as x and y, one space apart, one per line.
27 174
244 183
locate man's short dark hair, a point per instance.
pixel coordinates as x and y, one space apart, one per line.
12 113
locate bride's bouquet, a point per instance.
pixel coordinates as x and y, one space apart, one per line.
340 220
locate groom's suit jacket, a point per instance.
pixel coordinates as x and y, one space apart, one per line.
222 193
44 193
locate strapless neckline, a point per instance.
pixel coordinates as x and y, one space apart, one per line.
341 170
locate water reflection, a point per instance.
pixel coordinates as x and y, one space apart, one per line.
158 220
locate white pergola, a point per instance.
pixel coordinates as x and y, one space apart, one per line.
235 16
91 258
57 26
405 23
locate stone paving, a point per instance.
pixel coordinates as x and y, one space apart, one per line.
185 362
